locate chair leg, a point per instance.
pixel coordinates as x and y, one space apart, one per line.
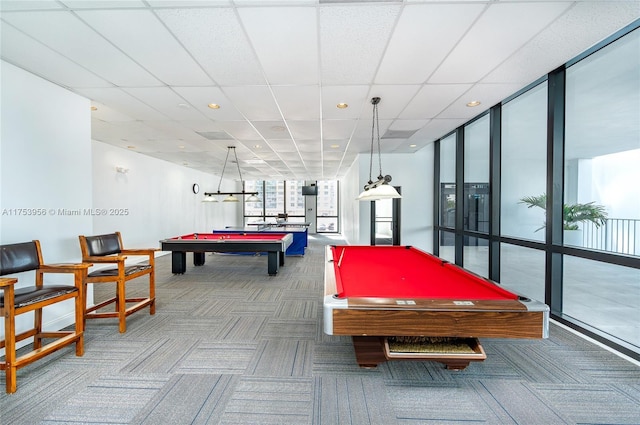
80 304
37 325
10 341
152 291
121 305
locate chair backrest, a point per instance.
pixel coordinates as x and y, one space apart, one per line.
102 244
20 257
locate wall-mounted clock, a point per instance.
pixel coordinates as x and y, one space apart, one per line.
195 188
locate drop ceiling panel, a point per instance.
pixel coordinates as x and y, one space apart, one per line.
106 113
189 3
286 42
305 130
7 5
310 147
29 54
142 36
240 130
393 99
407 125
285 147
546 53
216 40
432 99
254 102
271 130
201 97
133 133
352 41
106 132
424 36
363 129
355 96
338 129
67 35
488 94
483 48
102 4
166 101
124 102
298 102
175 129
438 127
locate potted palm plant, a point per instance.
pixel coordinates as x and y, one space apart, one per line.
572 215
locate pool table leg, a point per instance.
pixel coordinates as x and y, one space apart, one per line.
272 263
369 350
178 262
198 258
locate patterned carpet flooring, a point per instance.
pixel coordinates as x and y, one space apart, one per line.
231 345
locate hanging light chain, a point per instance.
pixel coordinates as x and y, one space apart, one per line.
238 165
375 112
224 166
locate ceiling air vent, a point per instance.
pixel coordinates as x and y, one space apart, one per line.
215 135
398 134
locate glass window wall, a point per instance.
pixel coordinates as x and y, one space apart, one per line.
592 294
522 270
602 149
327 206
524 165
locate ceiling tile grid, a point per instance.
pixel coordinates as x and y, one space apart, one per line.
180 80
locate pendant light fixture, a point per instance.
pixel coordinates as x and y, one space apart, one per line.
213 196
379 189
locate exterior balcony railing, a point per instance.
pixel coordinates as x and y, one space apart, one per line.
618 235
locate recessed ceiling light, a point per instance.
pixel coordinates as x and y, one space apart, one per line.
473 103
131 147
181 146
412 146
335 146
257 146
94 108
342 105
213 106
278 128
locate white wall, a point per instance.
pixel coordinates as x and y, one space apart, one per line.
154 200
50 166
414 174
350 188
45 169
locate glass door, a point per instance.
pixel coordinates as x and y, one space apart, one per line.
385 221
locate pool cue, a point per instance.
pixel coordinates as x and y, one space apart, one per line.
341 255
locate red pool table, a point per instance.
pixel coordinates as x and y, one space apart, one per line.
274 244
382 294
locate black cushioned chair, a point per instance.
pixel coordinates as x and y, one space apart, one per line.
108 249
23 257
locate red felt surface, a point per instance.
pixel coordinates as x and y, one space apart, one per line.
236 236
401 272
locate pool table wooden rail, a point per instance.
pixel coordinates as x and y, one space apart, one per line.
403 322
